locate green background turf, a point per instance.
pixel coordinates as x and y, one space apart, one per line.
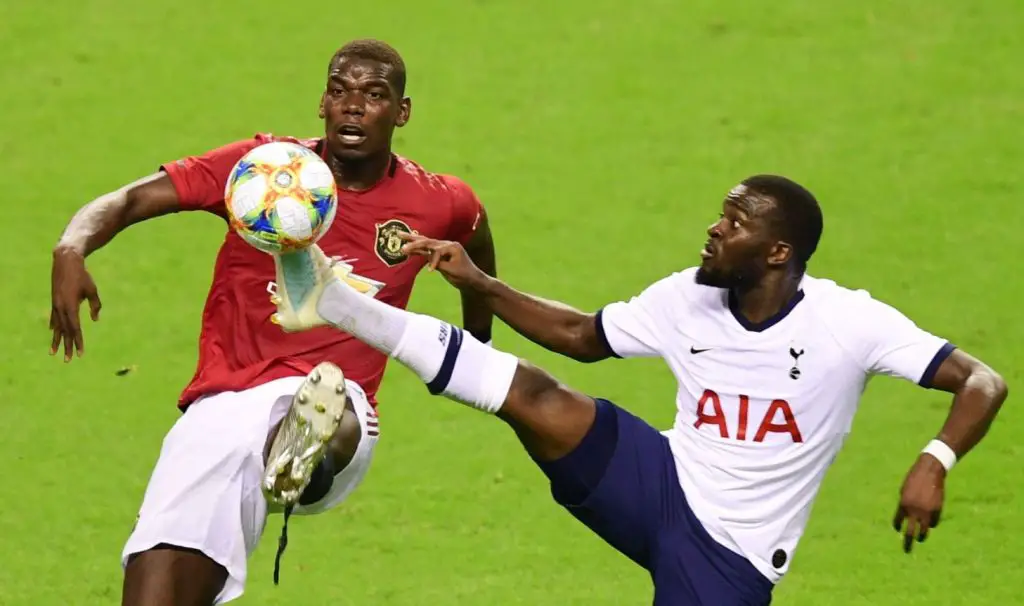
602 135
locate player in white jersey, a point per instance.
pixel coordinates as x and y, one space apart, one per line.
771 364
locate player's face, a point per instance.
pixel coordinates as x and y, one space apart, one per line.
740 248
361 109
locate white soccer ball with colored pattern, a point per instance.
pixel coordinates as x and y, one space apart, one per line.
281 197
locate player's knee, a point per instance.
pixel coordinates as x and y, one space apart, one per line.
531 383
549 417
339 483
535 389
347 438
352 452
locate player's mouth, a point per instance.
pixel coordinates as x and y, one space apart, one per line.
708 251
351 134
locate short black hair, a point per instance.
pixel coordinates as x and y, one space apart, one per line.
374 50
796 215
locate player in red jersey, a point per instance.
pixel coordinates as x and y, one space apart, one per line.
257 392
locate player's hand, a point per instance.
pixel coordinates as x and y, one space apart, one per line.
921 500
447 257
70 284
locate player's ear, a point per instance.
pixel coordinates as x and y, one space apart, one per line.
780 254
404 111
323 114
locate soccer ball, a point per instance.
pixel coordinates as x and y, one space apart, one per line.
281 197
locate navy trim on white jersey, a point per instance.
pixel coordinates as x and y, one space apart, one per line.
734 307
602 336
933 367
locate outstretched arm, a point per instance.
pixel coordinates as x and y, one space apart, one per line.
552 325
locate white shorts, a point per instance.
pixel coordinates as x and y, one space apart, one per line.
205 493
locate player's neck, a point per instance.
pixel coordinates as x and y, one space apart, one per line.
767 299
361 174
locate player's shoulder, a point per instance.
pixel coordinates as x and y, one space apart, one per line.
313 143
685 282
682 286
847 308
239 147
824 292
430 182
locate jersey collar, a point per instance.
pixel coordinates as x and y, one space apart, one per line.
734 307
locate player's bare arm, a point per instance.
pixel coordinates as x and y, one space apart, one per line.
979 393
550 324
92 227
477 316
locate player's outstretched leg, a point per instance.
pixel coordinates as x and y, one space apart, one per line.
204 511
549 419
302 439
570 436
610 469
321 449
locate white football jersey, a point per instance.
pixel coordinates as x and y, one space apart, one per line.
764 409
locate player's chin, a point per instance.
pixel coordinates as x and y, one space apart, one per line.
352 151
349 152
707 275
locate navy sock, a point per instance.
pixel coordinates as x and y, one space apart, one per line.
320 482
574 476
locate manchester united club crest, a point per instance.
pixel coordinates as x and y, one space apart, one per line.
389 245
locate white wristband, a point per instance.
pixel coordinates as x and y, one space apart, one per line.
942 452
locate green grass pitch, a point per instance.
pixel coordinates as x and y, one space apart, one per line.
602 135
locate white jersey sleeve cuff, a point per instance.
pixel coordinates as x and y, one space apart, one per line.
602 335
928 376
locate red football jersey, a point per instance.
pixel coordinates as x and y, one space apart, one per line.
239 347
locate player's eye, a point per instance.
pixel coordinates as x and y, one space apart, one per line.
375 95
734 223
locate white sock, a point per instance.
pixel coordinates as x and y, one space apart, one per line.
450 361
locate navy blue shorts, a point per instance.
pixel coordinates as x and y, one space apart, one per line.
621 483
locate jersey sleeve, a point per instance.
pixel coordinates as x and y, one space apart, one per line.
466 210
635 328
199 180
886 342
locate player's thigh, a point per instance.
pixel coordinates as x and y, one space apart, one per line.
686 571
695 582
690 567
549 418
172 576
616 481
347 479
204 493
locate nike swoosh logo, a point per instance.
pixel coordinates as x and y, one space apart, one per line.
694 350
